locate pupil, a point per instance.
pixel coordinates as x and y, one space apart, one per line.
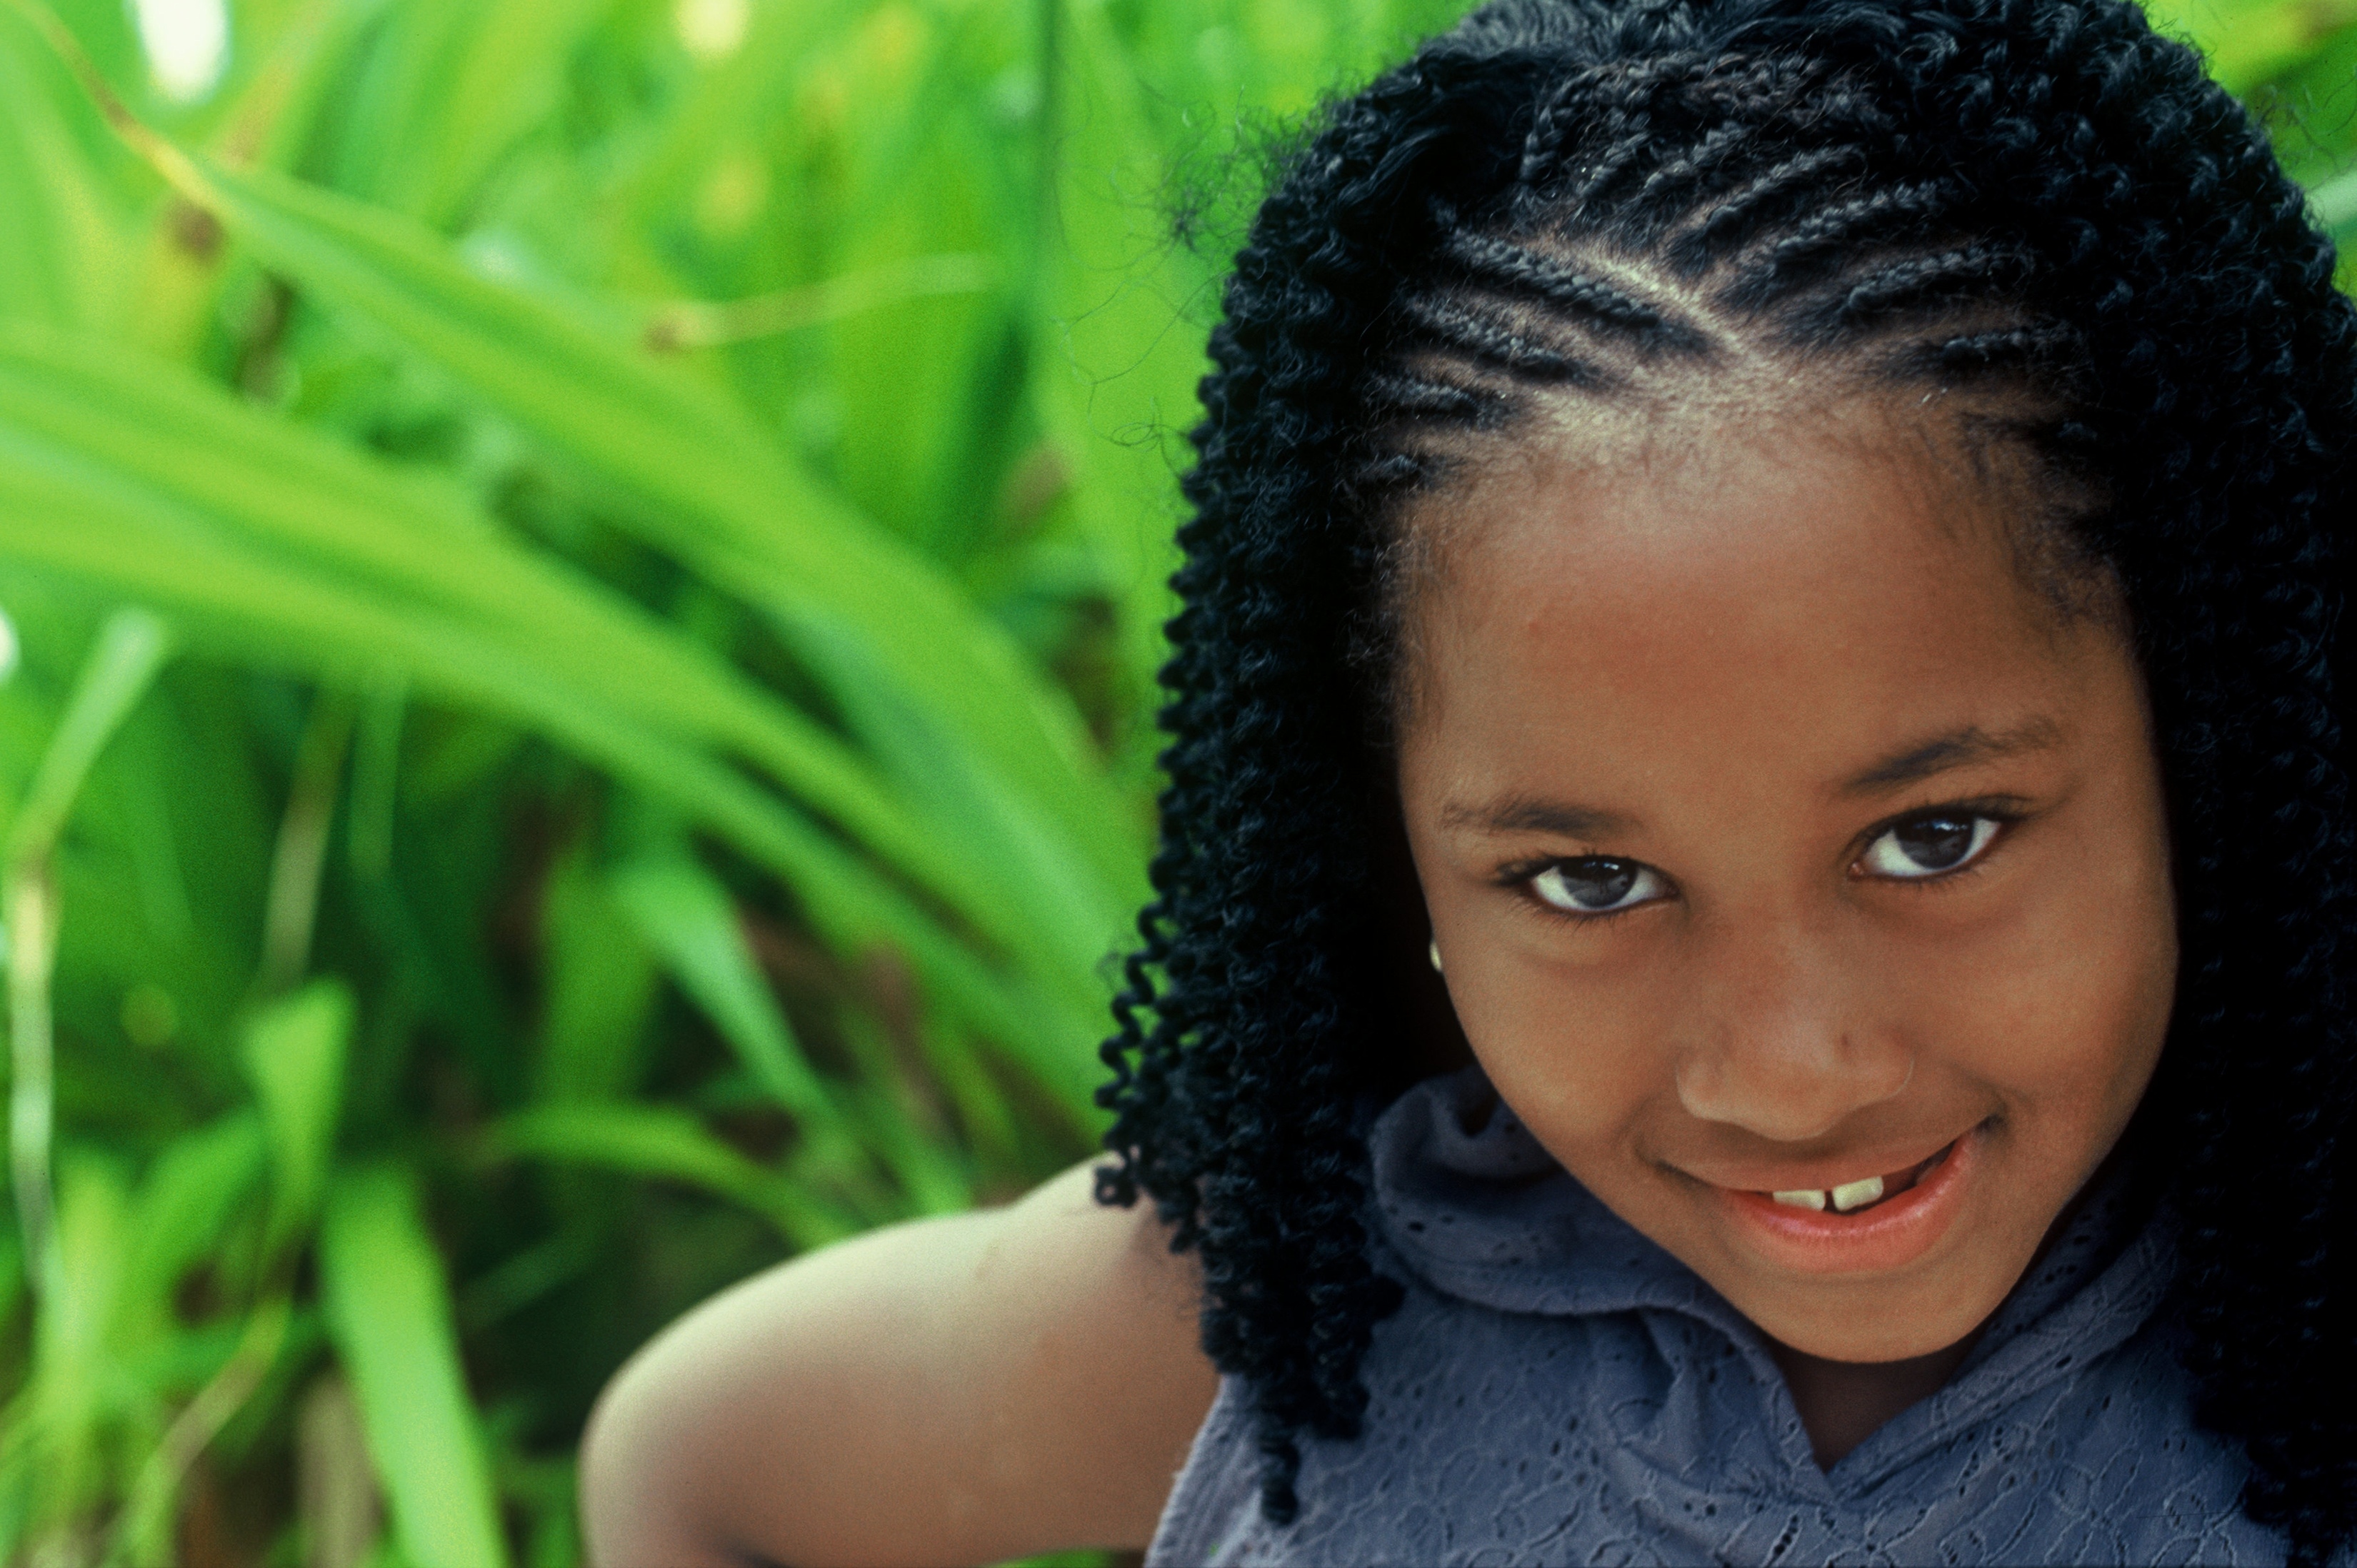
1936 841
1599 884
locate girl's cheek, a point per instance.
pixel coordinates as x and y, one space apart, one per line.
2063 998
1572 1052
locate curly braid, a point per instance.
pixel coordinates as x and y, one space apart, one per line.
2039 201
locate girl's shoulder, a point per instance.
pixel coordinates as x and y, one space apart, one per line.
970 1358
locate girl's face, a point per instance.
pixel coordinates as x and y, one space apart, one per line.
1779 842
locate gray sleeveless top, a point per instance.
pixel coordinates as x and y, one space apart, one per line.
1558 1389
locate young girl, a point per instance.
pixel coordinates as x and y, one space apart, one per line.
1749 958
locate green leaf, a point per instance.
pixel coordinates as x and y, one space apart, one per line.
2249 43
683 914
132 648
655 1141
664 1144
447 90
738 99
2335 204
709 485
52 1436
12 1277
281 536
601 982
65 250
291 620
293 1055
1118 369
84 415
194 1192
388 1307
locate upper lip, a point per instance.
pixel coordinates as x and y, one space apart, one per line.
1822 1172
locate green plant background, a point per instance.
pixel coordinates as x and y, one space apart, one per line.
581 585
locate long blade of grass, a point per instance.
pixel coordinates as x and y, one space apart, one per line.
191 1197
63 510
388 1305
735 101
125 414
477 79
299 861
89 415
293 623
131 648
293 1055
667 1144
711 488
684 913
52 1450
30 905
142 1532
718 492
600 985
64 247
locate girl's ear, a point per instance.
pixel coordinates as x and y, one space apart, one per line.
1409 998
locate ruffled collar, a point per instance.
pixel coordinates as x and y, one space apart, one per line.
1468 1201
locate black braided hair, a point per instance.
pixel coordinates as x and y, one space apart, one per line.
1587 199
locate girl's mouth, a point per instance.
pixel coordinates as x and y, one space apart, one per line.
1869 1225
1864 1193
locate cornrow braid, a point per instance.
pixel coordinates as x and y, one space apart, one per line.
1490 338
2040 198
1397 393
2039 348
1825 239
1619 108
1683 172
1515 269
1964 274
1793 179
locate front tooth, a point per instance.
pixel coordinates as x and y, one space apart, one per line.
1858 1194
1806 1197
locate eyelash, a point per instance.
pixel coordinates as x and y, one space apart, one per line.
1522 874
2004 814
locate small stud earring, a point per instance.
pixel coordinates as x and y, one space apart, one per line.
1433 952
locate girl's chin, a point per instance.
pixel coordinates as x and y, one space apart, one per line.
1867 1328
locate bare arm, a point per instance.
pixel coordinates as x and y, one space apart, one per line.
958 1389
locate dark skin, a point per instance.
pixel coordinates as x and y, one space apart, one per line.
1842 1403
1742 665
1778 832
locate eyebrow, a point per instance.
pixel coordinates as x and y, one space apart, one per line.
1531 814
1958 748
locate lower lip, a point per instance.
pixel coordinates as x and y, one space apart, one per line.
1891 1235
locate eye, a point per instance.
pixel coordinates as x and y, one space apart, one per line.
1596 886
1928 845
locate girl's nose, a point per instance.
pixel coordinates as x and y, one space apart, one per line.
1781 1040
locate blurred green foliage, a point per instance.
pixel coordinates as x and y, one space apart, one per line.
581 583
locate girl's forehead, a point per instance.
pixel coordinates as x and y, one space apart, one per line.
1770 509
1798 571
